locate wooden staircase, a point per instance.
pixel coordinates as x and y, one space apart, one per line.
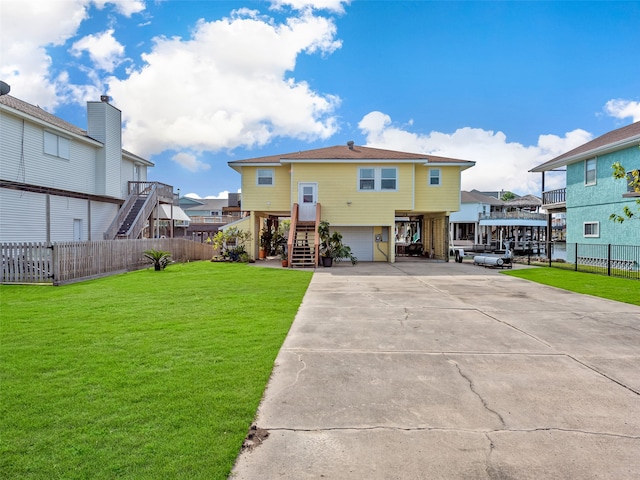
303 247
131 217
303 241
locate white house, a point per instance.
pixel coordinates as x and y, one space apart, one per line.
59 182
485 222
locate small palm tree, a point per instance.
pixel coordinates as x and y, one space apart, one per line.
159 258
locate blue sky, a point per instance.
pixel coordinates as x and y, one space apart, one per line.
508 85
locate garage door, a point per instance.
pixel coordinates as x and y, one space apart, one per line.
360 239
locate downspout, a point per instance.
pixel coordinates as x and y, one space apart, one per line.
48 218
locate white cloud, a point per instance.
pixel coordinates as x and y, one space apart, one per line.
190 162
29 27
500 164
336 6
220 195
620 108
227 86
105 51
26 28
123 7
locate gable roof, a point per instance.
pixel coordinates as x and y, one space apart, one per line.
40 114
43 116
357 154
207 204
474 196
609 142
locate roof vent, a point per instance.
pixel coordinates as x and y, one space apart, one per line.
350 144
104 98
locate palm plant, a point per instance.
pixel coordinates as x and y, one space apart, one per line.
159 258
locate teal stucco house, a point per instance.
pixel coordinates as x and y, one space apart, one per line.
592 194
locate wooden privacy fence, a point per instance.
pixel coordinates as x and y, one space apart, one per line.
67 262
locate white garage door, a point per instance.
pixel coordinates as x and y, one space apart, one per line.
360 239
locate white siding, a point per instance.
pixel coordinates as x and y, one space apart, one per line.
90 169
102 214
22 216
63 212
469 212
104 123
23 158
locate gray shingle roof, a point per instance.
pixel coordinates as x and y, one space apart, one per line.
611 139
40 114
474 196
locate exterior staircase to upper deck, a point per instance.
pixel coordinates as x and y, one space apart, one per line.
303 242
134 215
303 247
131 216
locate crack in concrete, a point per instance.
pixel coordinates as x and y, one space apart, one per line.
304 366
375 298
472 388
407 314
489 468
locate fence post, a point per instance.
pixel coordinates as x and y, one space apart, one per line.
55 267
609 260
576 263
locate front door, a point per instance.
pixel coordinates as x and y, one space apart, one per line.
307 199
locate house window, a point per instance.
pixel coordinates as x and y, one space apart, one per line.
367 179
590 172
265 176
56 145
434 176
307 194
591 229
378 179
387 179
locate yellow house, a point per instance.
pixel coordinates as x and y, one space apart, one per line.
384 203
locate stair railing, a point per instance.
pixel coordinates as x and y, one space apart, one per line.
292 233
143 215
316 237
112 231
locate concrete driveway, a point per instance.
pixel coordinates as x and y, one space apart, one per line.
445 370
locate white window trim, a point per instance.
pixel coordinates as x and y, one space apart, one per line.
61 143
273 177
377 179
584 227
595 171
439 184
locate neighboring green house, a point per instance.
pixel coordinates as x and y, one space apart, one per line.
592 194
384 203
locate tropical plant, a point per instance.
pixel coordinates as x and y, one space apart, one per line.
332 246
159 258
633 180
506 196
231 243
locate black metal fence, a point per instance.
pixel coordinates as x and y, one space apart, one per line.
604 259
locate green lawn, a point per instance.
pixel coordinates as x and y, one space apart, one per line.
619 289
144 375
